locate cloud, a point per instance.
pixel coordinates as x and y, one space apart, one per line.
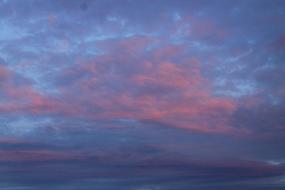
134 165
133 95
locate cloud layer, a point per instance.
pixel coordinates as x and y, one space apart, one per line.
142 95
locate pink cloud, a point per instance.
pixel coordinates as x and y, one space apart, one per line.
167 51
170 74
4 73
152 86
22 97
186 102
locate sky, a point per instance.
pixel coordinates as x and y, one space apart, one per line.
142 94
